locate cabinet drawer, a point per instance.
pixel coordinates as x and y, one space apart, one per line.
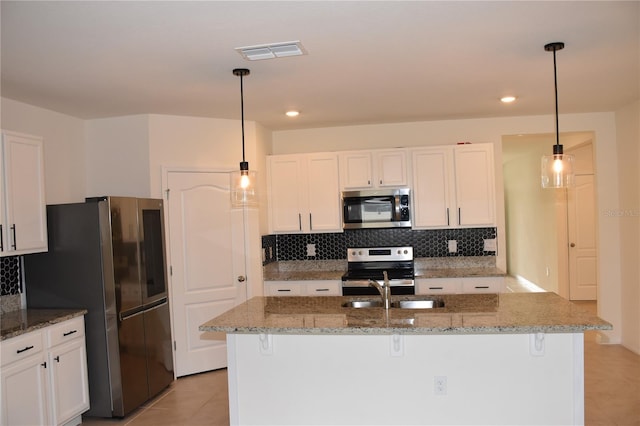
65 331
482 285
283 288
21 347
324 288
438 286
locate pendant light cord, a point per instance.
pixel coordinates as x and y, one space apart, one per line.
555 83
242 109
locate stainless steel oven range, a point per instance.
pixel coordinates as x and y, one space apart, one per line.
369 263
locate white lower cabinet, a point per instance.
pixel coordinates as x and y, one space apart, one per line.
460 285
438 286
44 376
303 288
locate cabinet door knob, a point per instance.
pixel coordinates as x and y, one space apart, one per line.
241 278
572 244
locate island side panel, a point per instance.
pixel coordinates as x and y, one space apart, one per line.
372 379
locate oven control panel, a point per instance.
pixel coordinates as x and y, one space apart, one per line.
379 254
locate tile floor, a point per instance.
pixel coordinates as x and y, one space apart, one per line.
612 391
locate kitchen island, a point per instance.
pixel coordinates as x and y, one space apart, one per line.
479 359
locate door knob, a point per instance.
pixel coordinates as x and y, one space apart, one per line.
241 278
572 244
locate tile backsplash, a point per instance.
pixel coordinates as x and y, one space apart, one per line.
425 243
10 278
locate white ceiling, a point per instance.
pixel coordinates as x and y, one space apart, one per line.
367 62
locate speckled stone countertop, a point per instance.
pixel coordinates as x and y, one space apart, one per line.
15 323
505 313
438 267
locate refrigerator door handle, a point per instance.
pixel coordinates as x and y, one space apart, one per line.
130 313
155 304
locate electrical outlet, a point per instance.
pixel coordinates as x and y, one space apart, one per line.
490 245
453 246
264 255
311 250
440 385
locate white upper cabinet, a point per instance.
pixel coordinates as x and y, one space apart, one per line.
373 169
23 221
432 187
475 184
304 193
453 186
356 170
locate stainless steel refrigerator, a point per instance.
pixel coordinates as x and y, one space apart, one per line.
107 255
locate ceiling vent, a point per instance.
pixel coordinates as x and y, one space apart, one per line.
271 51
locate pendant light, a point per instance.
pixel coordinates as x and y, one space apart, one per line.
243 182
557 169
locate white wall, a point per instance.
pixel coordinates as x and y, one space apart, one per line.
64 151
627 216
118 156
492 130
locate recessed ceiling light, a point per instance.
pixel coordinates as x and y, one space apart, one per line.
271 50
292 113
507 99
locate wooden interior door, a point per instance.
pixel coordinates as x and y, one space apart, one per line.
206 240
583 259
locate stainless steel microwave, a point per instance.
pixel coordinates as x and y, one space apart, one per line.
383 208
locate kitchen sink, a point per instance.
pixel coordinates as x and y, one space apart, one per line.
417 304
362 304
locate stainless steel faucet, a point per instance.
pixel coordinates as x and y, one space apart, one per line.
384 289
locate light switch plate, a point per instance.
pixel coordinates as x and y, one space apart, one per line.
453 246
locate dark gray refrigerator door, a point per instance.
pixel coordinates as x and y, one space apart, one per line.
158 344
126 255
133 365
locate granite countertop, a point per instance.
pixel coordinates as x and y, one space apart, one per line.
445 267
15 323
506 313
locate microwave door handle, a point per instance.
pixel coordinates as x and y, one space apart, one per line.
396 215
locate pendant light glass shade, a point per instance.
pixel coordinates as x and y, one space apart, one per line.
243 188
244 192
557 169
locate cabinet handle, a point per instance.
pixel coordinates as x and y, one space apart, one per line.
68 333
482 286
310 223
44 364
299 222
368 182
284 289
459 222
447 216
13 229
380 181
57 358
322 289
1 246
435 288
19 351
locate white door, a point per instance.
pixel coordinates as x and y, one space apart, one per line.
206 241
583 272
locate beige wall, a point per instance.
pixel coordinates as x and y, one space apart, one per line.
627 216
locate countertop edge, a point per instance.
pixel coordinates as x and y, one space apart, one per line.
564 329
48 317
